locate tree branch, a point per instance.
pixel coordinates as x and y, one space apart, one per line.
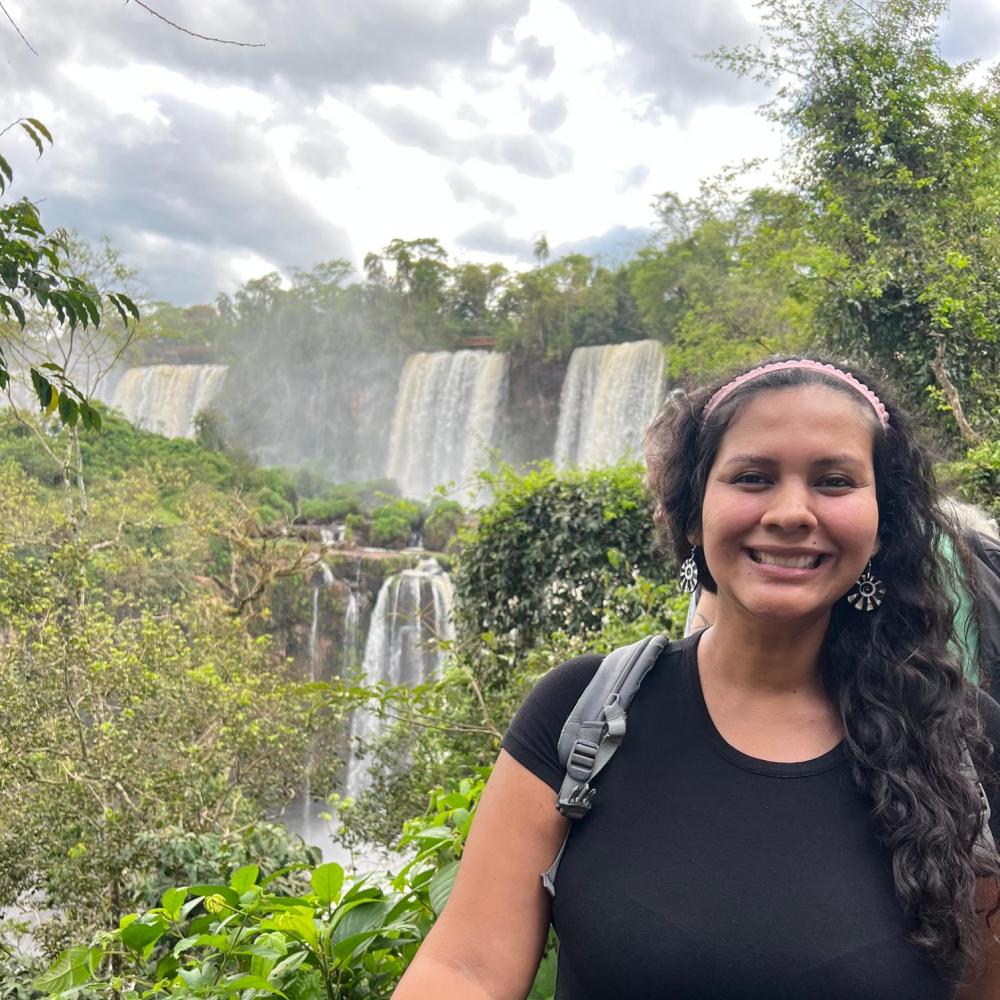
954 401
188 31
16 28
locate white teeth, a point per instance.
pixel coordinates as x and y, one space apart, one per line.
791 562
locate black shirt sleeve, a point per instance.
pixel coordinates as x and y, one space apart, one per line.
533 736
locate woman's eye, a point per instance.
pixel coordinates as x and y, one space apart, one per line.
836 483
751 479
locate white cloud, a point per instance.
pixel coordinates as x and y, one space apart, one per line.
482 122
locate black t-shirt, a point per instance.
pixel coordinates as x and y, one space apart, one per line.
704 873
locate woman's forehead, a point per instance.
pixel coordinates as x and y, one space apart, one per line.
800 406
806 417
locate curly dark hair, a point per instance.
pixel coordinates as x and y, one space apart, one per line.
893 675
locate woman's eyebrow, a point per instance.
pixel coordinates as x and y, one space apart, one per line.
749 458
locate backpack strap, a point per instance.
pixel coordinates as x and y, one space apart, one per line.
985 844
595 728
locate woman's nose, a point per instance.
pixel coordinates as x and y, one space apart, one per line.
790 509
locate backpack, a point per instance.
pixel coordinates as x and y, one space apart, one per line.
986 577
596 726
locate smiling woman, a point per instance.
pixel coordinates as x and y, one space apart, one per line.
790 814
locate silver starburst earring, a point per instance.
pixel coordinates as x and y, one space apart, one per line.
868 592
688 575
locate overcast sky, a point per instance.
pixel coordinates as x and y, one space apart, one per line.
481 122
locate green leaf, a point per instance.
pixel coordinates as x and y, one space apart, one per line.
8 302
140 933
544 986
289 964
441 886
39 127
90 417
172 899
70 969
34 137
42 387
239 983
327 881
297 922
244 878
69 411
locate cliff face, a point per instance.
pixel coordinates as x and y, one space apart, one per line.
533 414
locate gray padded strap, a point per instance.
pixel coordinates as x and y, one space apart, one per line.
595 729
985 844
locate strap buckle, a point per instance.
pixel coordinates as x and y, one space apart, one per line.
581 759
577 804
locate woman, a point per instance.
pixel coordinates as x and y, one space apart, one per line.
788 816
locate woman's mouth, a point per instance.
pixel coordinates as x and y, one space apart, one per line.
805 561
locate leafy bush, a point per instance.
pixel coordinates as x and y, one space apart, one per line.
345 938
119 721
549 548
442 523
977 476
329 502
327 508
174 856
393 523
358 529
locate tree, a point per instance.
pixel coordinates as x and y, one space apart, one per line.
34 271
726 283
897 151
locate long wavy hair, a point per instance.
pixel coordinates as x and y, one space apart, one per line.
893 674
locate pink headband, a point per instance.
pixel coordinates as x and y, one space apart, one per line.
779 366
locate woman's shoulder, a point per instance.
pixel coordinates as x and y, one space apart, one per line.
533 736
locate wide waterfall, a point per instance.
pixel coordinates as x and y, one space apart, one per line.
447 418
167 398
608 397
412 611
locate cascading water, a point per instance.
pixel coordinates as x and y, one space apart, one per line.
352 621
413 609
306 816
447 418
608 397
167 398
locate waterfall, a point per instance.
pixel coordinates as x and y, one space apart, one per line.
352 619
608 397
446 418
412 610
167 398
306 816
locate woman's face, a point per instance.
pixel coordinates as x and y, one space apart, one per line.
790 516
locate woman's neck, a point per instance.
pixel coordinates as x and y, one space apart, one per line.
768 657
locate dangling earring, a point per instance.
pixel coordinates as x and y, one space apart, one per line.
688 575
868 593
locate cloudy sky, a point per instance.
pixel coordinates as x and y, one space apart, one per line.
481 122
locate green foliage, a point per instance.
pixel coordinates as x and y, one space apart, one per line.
342 937
442 523
726 287
896 151
34 270
173 855
977 476
548 548
330 502
393 523
120 720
